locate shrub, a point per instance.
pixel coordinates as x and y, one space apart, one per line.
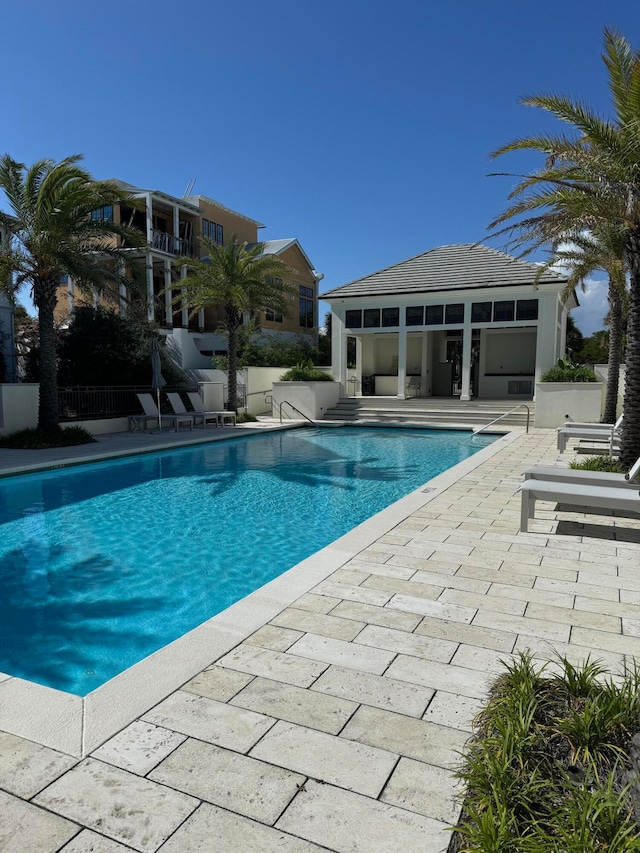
305 372
246 418
598 463
566 371
39 439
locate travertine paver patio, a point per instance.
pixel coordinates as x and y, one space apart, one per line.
335 727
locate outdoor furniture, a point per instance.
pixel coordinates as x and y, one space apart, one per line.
575 495
595 432
151 412
178 407
586 478
198 406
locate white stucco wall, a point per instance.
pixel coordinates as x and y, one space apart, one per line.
311 398
557 402
18 407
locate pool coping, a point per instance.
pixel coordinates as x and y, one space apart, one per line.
77 725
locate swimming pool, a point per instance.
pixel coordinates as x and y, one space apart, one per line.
102 564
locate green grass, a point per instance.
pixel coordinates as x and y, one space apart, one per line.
549 769
598 463
39 439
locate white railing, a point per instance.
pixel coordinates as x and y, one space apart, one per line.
478 430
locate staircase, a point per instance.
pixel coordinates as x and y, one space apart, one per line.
431 411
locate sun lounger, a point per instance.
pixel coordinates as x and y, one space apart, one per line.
151 413
576 495
554 474
198 406
595 433
175 401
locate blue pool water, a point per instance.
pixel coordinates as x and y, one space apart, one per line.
102 564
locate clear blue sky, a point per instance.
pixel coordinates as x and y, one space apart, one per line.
361 128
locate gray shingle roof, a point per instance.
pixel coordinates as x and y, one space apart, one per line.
458 267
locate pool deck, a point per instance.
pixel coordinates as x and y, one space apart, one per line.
334 726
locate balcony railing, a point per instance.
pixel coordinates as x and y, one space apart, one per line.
172 245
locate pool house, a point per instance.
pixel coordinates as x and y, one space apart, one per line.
462 321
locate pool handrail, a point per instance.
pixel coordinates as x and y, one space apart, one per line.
478 430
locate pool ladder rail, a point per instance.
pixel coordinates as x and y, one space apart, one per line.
478 430
269 399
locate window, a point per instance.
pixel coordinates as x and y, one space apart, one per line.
213 231
527 309
454 314
481 312
415 315
353 319
64 279
371 318
390 316
306 307
434 315
103 214
271 315
504 310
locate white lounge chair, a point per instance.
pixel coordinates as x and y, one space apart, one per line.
175 401
198 406
554 474
576 495
595 432
151 412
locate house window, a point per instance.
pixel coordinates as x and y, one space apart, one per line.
481 312
371 318
454 314
353 319
504 310
306 307
527 309
434 315
415 315
213 231
271 315
390 316
103 214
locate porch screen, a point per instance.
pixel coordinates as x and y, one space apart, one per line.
371 318
415 315
353 319
434 315
390 316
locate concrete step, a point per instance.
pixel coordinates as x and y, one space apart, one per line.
428 411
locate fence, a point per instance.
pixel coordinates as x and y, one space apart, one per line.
107 401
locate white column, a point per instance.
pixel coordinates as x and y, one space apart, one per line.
402 360
339 352
149 218
176 230
425 382
72 294
185 310
168 307
96 299
201 319
150 299
546 333
357 389
122 291
465 384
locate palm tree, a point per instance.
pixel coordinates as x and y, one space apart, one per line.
590 181
58 225
583 255
240 278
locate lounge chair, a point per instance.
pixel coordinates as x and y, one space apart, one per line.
198 406
151 413
595 432
554 474
576 495
175 401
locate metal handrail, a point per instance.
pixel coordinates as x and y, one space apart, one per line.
295 410
478 430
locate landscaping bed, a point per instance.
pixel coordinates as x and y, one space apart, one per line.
554 764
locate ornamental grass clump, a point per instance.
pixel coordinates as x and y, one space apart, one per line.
598 463
553 766
40 438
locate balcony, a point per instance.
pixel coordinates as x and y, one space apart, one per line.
172 245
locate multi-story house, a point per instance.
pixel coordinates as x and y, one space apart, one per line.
174 227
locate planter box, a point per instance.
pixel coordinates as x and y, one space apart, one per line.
311 398
557 402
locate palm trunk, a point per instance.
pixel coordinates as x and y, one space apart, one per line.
233 324
630 445
615 348
45 301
